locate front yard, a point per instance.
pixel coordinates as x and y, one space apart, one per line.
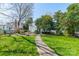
66 46
25 45
17 46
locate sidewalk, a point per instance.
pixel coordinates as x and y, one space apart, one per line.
42 48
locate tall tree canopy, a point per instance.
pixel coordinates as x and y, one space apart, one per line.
45 23
59 17
72 19
67 21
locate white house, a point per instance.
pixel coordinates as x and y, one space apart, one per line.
32 27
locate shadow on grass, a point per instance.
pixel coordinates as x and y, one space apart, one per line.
42 47
45 49
56 51
14 38
15 51
28 40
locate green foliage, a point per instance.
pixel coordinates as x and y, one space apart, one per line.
72 18
67 21
59 18
27 23
45 23
38 24
63 45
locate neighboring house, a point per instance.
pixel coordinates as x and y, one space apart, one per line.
32 27
10 27
2 28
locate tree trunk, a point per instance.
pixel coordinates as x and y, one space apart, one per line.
18 25
69 31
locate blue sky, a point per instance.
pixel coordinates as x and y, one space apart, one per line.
40 9
48 8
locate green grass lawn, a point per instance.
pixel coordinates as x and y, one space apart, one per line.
67 46
18 46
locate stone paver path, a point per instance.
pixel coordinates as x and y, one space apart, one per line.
42 48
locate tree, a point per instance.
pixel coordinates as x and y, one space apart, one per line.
45 23
19 11
72 19
38 23
27 23
22 11
59 17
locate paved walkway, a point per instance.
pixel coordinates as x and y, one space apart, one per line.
42 48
